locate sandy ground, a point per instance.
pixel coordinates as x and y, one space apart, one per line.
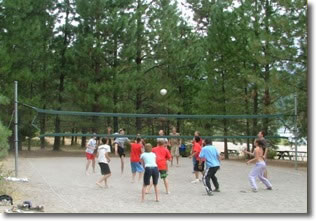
60 184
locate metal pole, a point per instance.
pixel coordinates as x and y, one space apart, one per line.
295 128
16 126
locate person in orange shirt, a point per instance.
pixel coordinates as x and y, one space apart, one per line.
195 153
162 155
136 166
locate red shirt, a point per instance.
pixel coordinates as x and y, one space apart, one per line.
136 151
200 142
197 149
162 155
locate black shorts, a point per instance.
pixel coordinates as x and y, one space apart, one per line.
151 172
120 151
196 166
105 169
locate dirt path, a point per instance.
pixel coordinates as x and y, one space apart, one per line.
60 184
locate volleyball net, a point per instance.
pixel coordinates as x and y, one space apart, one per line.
58 123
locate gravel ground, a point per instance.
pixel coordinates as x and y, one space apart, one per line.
60 184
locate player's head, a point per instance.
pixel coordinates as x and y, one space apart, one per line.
148 148
197 139
261 134
259 143
103 140
122 131
197 133
161 132
208 141
174 129
160 142
138 140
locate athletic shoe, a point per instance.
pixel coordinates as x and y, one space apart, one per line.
254 190
269 188
217 190
210 193
195 181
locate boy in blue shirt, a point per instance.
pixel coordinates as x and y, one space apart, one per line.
212 164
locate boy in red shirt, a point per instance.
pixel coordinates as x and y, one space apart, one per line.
195 153
136 166
162 155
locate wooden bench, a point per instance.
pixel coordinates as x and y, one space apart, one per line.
290 154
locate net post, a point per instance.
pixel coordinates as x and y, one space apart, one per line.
16 140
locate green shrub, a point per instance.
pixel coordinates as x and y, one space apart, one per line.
271 154
4 146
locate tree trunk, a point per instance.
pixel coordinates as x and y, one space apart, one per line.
84 138
255 112
225 120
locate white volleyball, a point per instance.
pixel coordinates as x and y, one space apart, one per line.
163 92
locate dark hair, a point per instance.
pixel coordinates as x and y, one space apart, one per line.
197 139
260 143
103 140
208 141
262 132
138 139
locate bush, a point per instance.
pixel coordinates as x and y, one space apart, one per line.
4 146
271 154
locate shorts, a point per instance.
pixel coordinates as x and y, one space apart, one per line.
90 156
105 169
120 151
163 174
137 167
175 151
151 172
196 167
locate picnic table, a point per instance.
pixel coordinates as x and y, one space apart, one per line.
290 153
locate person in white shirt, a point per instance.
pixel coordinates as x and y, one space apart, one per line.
91 146
104 160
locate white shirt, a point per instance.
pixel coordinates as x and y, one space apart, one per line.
102 150
149 159
91 146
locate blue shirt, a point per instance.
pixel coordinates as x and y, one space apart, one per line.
149 159
211 156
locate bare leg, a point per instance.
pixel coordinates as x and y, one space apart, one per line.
106 180
156 193
165 181
177 158
93 165
143 193
99 183
122 164
133 177
196 175
140 176
149 187
87 166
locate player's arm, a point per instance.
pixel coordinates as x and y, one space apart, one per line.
247 152
116 148
255 158
107 156
193 153
265 153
